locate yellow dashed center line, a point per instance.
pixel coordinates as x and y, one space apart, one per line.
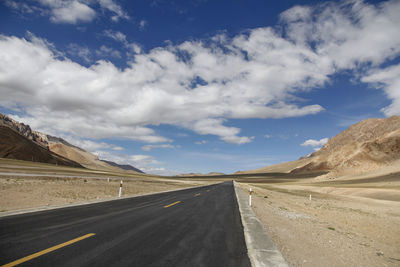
198 194
40 253
167 206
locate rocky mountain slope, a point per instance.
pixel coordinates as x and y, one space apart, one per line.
366 146
16 146
369 145
55 145
24 130
85 158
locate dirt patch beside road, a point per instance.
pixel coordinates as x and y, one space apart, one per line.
331 229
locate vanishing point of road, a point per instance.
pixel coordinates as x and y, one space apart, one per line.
193 227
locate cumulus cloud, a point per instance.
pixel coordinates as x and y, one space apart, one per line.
150 147
70 11
315 144
201 85
202 142
388 79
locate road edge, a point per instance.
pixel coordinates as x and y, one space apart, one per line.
45 208
260 248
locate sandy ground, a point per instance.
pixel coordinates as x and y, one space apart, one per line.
338 227
27 192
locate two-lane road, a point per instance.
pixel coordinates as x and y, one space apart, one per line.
193 227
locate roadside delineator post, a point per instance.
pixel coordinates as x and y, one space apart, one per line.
120 189
250 192
310 197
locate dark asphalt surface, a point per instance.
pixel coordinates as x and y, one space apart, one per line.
201 230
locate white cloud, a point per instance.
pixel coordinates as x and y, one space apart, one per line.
121 38
316 144
349 33
202 142
150 147
105 51
145 163
24 8
135 48
82 52
110 5
388 79
202 85
91 146
116 35
70 11
143 24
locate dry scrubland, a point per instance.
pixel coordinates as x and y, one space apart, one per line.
53 186
350 222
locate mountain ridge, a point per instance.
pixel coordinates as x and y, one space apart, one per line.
13 145
366 146
56 145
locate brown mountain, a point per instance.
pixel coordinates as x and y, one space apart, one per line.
369 145
55 145
24 130
85 158
366 146
16 146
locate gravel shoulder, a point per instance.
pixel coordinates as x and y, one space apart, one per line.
335 228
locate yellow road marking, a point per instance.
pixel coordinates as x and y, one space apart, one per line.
172 204
198 194
208 190
40 253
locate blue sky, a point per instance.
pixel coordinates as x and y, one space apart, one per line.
198 86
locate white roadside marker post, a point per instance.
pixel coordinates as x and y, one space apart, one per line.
120 189
310 197
108 180
250 192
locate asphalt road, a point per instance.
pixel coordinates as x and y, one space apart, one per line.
193 227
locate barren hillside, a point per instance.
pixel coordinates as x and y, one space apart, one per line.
366 146
51 144
16 146
87 159
369 145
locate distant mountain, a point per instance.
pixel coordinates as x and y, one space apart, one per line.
16 146
201 174
366 146
369 145
55 145
125 167
85 158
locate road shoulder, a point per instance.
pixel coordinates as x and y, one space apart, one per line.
261 250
